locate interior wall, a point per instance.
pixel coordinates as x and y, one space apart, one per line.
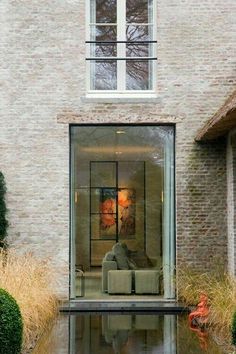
133 178
127 179
154 189
153 205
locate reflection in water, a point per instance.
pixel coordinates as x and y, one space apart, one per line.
126 334
202 335
116 334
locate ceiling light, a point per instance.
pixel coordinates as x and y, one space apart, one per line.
120 132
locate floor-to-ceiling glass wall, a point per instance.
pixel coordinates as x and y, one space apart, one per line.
122 212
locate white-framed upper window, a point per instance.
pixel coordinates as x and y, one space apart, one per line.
121 46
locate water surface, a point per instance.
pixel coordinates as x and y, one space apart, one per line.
112 333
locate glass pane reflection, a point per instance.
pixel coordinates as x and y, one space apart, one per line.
139 33
103 50
105 75
138 11
103 11
103 33
138 50
138 75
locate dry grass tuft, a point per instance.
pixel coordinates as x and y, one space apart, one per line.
29 280
220 288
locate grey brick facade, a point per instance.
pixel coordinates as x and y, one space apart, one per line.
231 177
42 56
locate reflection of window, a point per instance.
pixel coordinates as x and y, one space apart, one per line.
121 45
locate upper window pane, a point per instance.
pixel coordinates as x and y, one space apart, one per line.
103 11
138 11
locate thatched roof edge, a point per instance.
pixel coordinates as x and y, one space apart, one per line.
218 117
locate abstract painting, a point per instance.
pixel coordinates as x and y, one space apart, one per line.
108 213
112 212
126 213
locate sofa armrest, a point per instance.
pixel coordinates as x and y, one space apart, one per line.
106 266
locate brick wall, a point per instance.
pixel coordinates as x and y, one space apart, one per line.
42 75
231 201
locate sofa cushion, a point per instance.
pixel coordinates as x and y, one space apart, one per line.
140 259
109 256
120 281
147 281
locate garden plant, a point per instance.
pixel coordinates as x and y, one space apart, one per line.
3 210
32 283
11 325
220 288
234 329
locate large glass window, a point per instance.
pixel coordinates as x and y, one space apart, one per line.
122 183
121 45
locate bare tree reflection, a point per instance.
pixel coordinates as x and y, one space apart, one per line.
104 34
105 11
137 75
137 11
105 75
137 33
140 34
105 71
137 30
137 50
137 72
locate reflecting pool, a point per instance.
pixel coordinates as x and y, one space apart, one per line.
129 333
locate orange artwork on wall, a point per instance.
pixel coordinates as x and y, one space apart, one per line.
110 210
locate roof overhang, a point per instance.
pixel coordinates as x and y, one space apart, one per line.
221 123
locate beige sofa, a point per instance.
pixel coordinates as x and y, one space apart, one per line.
120 274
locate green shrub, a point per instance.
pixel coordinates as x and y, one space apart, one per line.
11 326
3 210
234 329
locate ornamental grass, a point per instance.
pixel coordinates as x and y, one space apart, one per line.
31 282
220 288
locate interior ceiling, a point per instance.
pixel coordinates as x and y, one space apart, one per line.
111 142
118 149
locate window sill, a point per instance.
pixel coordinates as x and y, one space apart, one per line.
120 98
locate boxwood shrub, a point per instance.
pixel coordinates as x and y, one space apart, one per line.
11 325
